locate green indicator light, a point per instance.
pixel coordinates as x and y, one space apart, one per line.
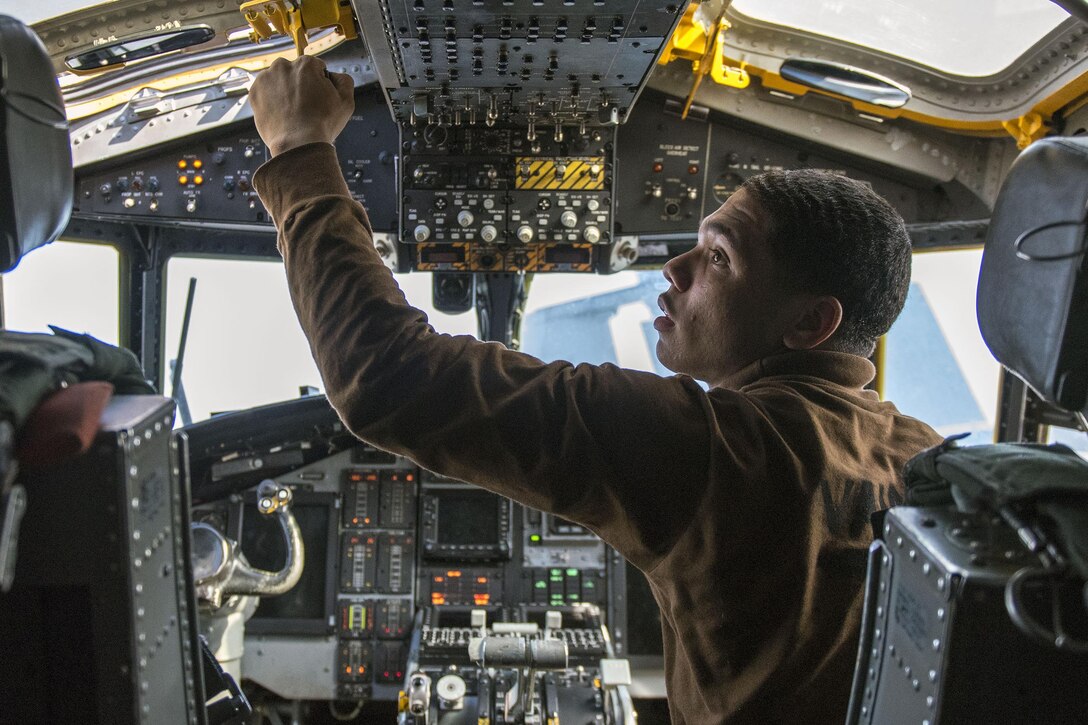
534 538
572 572
555 572
541 585
589 584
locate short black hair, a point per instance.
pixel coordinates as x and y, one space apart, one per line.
832 235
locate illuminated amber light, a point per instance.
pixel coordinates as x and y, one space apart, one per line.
481 598
453 573
481 579
198 179
198 164
183 164
183 179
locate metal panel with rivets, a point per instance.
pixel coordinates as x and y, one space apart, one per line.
937 645
100 625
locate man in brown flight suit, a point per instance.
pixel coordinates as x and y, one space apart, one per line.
746 505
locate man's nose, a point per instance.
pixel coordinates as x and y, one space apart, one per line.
676 271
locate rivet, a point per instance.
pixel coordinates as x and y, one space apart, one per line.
899 541
933 675
925 568
912 554
940 584
916 685
940 614
936 645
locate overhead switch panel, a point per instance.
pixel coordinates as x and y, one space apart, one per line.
535 63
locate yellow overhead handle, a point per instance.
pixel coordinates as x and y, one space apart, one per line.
704 48
1027 129
267 18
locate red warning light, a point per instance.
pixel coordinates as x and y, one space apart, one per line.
658 167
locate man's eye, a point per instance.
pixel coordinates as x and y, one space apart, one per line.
716 257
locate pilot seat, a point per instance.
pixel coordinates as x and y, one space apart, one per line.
976 607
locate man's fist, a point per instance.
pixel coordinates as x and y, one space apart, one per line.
299 102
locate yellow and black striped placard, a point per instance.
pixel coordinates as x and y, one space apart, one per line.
578 173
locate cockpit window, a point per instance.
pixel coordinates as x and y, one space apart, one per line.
245 347
968 38
937 367
595 319
67 284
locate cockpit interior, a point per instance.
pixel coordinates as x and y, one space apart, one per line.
231 553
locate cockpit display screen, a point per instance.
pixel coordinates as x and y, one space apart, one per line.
465 523
468 518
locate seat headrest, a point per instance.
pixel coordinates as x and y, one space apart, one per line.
1032 300
35 151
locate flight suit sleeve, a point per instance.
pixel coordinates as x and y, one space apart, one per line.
622 452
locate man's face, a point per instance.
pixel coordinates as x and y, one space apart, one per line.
726 306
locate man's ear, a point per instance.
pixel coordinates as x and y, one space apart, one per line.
818 320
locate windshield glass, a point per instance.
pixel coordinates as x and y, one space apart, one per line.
67 284
968 37
245 347
595 319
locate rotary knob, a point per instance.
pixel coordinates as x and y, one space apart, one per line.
489 233
568 219
593 205
465 218
592 234
525 234
422 233
451 690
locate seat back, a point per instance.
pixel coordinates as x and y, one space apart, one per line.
35 150
1032 299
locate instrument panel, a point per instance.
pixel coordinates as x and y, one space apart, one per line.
525 62
505 198
391 549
